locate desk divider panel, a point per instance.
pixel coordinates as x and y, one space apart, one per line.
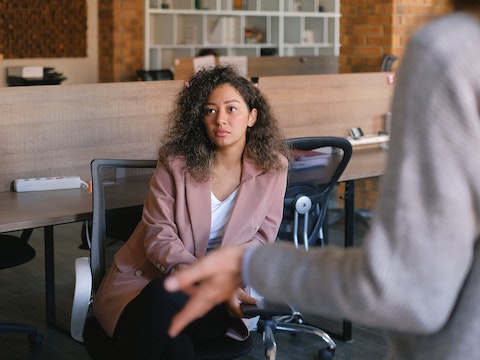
259 66
57 130
313 105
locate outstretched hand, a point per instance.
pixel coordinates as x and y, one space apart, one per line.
209 281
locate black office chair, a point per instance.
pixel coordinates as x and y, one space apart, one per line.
15 251
318 164
119 190
387 62
155 75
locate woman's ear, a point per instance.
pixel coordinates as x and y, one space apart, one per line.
252 117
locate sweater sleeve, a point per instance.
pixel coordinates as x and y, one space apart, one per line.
420 246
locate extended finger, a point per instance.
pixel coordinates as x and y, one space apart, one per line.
189 276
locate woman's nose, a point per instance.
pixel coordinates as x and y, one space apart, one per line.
221 117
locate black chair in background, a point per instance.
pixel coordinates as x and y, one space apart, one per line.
119 190
155 75
318 164
387 62
15 251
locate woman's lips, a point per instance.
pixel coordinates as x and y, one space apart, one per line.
221 132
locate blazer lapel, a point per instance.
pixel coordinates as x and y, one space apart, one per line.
244 205
199 209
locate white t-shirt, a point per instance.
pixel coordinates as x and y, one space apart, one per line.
220 213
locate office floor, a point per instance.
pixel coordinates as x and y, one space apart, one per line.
22 299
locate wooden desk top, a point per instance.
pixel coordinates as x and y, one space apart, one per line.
365 162
26 210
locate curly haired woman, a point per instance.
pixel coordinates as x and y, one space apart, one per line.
220 182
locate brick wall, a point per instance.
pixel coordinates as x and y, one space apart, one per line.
369 29
121 26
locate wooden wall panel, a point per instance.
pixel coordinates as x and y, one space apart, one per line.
39 28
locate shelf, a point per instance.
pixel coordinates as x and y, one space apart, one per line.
283 28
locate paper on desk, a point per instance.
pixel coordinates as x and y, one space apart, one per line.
310 158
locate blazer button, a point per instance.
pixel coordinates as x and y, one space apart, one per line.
138 273
255 229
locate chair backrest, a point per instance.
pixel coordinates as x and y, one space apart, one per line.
318 163
119 190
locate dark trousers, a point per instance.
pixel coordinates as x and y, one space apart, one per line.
142 330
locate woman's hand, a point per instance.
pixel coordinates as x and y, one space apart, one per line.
241 296
209 281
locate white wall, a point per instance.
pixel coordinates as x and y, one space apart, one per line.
77 70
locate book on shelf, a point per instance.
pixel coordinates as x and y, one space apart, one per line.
224 31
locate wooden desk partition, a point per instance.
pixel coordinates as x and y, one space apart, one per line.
57 130
329 104
259 66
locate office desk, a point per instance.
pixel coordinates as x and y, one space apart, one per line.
21 211
365 162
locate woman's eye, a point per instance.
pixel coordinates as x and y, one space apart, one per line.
209 111
232 109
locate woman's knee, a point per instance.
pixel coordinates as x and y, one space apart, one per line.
154 294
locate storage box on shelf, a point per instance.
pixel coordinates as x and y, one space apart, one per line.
183 28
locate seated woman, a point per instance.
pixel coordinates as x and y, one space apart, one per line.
220 182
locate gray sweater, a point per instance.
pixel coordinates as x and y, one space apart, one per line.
418 274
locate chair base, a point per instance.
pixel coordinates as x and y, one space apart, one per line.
224 349
268 326
34 337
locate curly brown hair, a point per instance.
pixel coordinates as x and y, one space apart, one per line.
186 136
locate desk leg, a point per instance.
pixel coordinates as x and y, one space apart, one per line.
49 275
349 213
349 238
50 281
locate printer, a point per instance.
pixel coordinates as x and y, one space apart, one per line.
33 75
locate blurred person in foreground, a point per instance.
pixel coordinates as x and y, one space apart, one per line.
417 276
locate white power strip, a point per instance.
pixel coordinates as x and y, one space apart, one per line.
47 183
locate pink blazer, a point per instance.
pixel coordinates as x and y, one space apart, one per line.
175 228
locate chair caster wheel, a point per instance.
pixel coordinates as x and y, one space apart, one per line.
326 354
35 339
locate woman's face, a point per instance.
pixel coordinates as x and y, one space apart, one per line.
227 117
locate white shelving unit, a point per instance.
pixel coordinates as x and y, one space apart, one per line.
182 28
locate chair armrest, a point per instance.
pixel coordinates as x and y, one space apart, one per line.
265 309
81 297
